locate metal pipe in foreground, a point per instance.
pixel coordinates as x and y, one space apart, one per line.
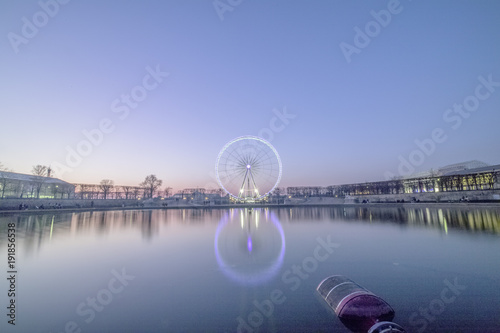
357 308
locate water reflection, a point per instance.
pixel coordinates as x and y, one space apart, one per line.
106 222
40 227
199 267
474 219
249 245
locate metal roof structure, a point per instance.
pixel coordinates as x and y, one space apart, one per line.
489 168
32 178
467 165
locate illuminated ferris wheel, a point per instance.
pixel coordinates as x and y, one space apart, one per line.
248 168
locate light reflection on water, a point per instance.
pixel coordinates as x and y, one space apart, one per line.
200 269
249 246
44 226
472 219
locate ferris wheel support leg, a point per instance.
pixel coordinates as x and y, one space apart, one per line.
242 188
256 190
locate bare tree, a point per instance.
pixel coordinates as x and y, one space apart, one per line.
168 191
30 189
150 185
39 170
94 191
4 181
69 190
127 190
106 185
54 189
82 189
277 191
38 184
16 188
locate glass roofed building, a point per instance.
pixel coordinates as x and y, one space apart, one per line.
18 185
460 167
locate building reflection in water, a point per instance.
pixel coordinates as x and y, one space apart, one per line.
473 219
260 236
249 245
39 228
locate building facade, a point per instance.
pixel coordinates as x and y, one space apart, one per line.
18 185
459 179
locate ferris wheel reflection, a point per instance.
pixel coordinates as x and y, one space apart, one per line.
249 245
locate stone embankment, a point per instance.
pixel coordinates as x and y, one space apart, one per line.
490 196
40 204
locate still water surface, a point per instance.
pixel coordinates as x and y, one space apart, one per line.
223 270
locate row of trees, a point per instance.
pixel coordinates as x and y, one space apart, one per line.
151 186
106 189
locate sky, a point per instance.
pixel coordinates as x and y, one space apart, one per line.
346 91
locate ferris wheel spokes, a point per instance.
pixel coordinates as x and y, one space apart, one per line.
250 193
248 168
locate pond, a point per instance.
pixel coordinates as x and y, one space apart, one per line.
229 270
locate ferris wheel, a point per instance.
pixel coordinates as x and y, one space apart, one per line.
248 168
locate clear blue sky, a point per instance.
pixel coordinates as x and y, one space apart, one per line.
353 121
